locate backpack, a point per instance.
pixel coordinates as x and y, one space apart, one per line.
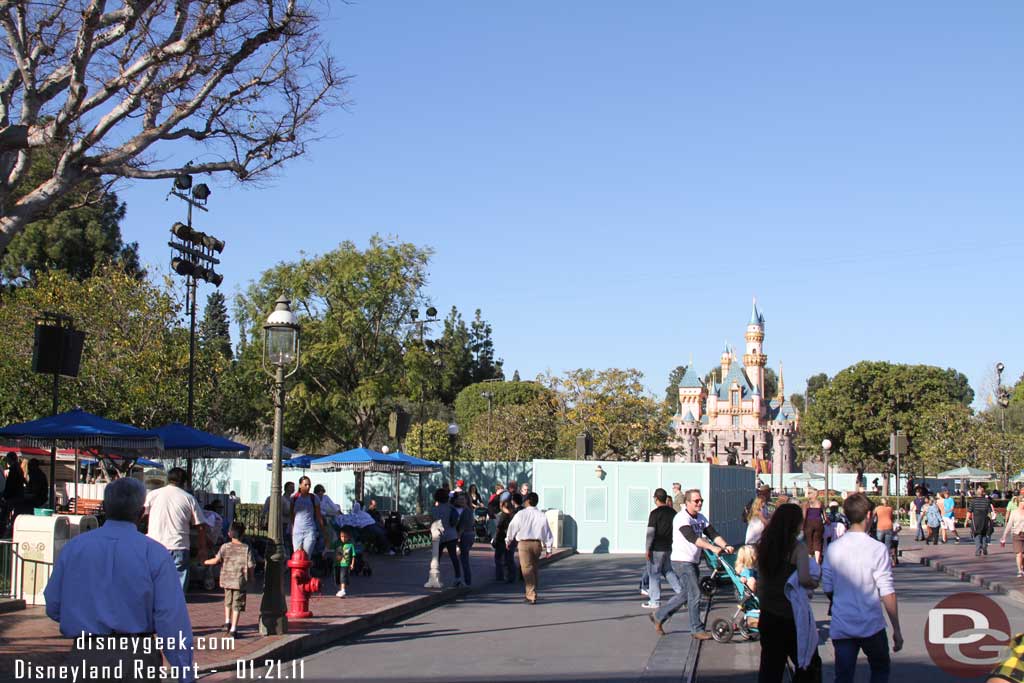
932 516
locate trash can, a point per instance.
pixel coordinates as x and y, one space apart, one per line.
37 542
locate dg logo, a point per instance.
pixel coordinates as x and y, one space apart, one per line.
966 634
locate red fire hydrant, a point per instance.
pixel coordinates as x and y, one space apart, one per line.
303 585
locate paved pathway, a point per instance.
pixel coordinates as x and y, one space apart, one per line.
396 587
588 626
919 588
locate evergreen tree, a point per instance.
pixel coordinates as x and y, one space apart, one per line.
672 390
515 376
215 327
482 347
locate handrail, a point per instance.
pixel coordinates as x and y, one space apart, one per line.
16 574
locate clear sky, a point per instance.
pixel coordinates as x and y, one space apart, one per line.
612 182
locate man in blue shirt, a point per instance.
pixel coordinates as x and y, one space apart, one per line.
145 601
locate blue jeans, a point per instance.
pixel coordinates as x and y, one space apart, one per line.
180 558
689 575
981 543
645 577
465 545
885 537
304 539
661 564
876 648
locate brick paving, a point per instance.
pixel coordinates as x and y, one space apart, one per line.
395 588
996 571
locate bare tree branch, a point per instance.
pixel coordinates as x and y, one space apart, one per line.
112 89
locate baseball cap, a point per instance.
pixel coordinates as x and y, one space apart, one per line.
460 482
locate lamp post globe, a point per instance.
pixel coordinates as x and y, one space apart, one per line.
280 360
826 445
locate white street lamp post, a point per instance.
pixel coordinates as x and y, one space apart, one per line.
826 446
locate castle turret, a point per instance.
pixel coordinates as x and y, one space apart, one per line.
754 360
727 357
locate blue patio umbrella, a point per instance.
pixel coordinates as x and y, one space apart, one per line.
360 460
144 462
79 429
299 462
188 442
418 465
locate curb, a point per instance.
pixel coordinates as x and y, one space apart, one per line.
993 585
11 605
300 644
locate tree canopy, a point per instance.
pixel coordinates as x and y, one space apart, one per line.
863 404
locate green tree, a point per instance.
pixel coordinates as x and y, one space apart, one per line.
135 358
514 432
863 404
436 445
613 405
471 401
454 355
352 304
672 390
484 367
771 384
798 402
76 233
215 327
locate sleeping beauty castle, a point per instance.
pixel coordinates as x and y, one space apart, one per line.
731 421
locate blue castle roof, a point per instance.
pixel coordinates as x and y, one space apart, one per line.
739 375
756 318
690 379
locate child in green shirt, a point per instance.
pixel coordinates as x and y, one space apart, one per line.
345 560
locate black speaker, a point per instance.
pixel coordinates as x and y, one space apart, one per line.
57 350
584 446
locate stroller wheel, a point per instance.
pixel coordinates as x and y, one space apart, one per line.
707 586
721 630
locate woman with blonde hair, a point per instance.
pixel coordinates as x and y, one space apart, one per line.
814 524
1015 526
755 521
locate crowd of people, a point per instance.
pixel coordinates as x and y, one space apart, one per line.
23 487
790 551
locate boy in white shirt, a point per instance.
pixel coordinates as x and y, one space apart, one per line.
857 577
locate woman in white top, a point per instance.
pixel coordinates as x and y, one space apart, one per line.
1015 526
755 521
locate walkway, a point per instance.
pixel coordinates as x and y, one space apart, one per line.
395 590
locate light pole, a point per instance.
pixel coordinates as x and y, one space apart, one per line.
826 446
416 322
194 261
281 351
453 436
1003 398
489 395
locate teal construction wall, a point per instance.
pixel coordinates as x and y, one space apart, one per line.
609 514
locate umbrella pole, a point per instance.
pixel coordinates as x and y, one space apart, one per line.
398 489
76 482
53 447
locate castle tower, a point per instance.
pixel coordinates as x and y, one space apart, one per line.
782 386
727 356
754 359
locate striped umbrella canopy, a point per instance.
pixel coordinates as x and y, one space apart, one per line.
360 460
79 429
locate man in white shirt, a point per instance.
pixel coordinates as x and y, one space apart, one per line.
692 532
530 529
172 513
857 577
145 598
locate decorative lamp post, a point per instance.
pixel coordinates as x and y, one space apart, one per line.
280 351
826 446
453 437
1003 399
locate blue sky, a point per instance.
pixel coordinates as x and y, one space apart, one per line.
612 182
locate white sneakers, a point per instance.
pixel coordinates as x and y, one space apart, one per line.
339 594
643 591
650 605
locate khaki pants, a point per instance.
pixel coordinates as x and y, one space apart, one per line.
529 555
